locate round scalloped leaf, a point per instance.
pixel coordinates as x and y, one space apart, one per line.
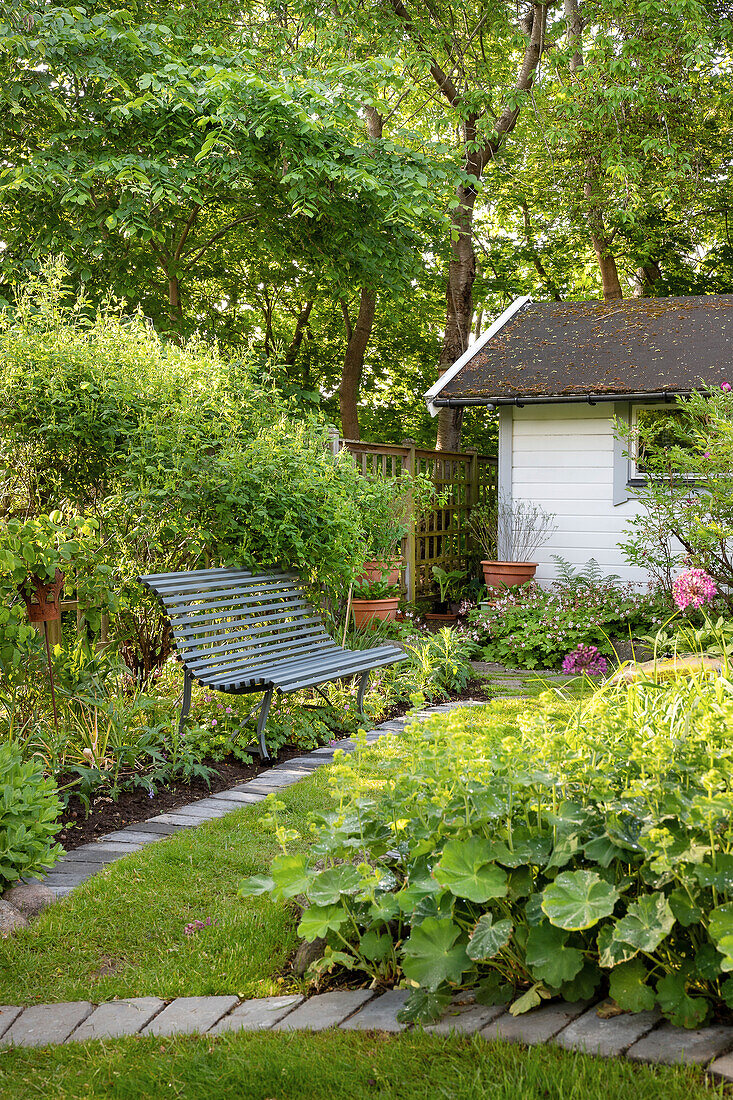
290 875
647 922
319 920
612 952
424 1005
465 869
583 985
548 958
256 884
627 986
433 955
578 899
676 1004
720 922
488 937
330 885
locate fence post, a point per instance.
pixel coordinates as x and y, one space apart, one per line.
410 539
472 477
335 439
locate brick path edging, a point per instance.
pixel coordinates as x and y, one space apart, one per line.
640 1038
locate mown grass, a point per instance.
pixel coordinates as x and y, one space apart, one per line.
335 1066
121 934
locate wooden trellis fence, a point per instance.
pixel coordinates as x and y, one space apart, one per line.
464 479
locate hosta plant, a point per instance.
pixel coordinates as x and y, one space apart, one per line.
574 850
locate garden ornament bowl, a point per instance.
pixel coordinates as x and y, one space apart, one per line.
43 602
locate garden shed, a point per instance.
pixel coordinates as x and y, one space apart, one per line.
560 374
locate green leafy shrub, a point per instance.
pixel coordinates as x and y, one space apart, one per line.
535 628
439 664
558 851
29 810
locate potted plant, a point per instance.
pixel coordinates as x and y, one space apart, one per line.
389 505
374 600
516 530
448 582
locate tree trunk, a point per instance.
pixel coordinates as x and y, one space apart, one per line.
459 309
358 338
175 312
300 327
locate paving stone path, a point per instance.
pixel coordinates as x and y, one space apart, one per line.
640 1038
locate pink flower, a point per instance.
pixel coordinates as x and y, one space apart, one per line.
587 659
725 387
214 722
706 455
694 588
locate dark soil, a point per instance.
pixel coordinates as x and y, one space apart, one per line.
131 807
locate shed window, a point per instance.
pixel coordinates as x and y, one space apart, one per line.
668 430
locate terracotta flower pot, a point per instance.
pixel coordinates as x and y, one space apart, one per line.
43 605
377 570
441 616
367 611
506 574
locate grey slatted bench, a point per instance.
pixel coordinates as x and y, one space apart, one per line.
240 632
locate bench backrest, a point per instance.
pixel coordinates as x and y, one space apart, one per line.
226 619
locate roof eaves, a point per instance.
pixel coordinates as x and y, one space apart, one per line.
469 353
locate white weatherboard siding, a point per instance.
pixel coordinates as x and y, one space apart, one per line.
562 458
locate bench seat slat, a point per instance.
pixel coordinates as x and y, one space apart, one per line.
184 644
250 660
177 614
248 623
176 600
196 616
225 644
291 676
289 668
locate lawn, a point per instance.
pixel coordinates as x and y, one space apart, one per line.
335 1066
122 933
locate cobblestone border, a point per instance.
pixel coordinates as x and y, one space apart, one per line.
640 1038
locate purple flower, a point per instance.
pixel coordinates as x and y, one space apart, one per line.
706 455
585 659
693 588
214 722
725 387
229 710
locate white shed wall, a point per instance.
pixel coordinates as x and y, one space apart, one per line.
562 458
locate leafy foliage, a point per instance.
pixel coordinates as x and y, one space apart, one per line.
28 812
540 853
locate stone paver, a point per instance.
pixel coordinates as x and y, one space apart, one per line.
188 1014
41 1024
379 1014
258 1014
128 836
240 798
178 818
159 828
671 1045
723 1067
537 1026
116 1018
325 1010
465 1019
8 1013
613 1036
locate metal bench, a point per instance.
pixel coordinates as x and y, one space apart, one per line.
240 632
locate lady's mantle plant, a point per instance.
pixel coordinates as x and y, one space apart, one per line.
572 850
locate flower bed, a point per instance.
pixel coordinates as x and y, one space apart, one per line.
567 850
535 628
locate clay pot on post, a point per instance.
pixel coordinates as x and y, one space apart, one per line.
499 575
43 602
366 612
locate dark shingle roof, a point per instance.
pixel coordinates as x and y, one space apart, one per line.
637 345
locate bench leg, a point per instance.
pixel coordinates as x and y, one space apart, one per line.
187 681
363 683
261 721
